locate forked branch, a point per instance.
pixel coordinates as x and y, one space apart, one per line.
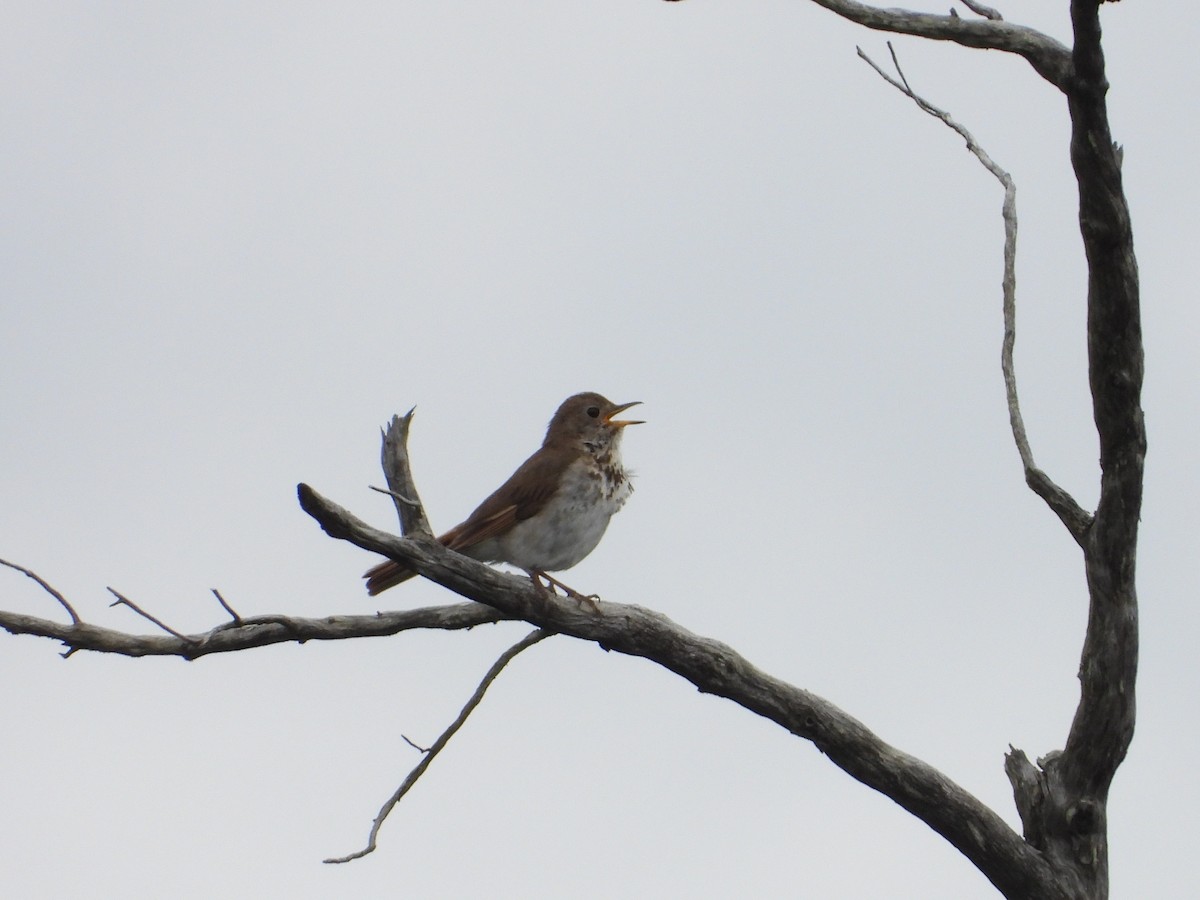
1011 864
249 632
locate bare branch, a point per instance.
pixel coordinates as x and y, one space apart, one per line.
526 642
229 609
46 587
398 472
257 631
125 601
1072 515
1048 57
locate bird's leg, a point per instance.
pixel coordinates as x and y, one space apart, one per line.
537 581
552 583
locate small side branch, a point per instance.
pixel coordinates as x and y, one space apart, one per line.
428 755
46 587
398 471
125 601
414 744
1073 516
233 614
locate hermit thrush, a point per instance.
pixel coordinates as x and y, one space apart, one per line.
554 509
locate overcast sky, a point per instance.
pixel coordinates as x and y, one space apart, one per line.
236 237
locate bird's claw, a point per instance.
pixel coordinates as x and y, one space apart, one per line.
550 584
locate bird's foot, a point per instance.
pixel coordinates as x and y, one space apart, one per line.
552 583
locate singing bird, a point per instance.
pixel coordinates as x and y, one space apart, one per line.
555 508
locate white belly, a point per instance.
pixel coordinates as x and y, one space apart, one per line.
568 528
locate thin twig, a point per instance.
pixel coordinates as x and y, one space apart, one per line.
528 641
229 609
413 744
399 496
145 615
980 10
1076 519
46 587
907 89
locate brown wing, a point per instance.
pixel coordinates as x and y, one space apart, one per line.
522 496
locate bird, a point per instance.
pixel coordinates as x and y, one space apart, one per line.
554 509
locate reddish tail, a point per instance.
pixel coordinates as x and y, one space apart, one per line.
391 573
385 575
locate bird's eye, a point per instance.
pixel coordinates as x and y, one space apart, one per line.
593 411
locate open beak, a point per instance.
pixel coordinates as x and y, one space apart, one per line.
621 423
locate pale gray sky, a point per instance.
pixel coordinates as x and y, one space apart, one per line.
237 237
